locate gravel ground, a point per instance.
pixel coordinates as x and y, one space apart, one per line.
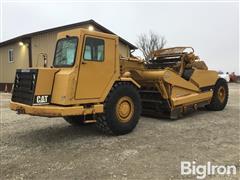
49 148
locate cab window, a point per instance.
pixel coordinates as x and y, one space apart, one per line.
65 52
94 49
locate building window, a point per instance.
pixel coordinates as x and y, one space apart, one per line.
94 49
10 55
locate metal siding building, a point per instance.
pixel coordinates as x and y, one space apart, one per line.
35 44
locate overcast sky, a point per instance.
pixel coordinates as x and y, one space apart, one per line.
211 28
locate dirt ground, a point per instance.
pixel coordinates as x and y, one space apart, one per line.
49 148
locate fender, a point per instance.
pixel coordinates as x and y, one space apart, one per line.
129 79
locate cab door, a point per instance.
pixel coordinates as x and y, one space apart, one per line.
97 67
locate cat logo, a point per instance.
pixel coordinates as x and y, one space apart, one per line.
41 99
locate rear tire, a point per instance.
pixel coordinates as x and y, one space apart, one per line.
220 96
122 109
75 120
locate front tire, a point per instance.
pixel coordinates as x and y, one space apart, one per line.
220 96
122 110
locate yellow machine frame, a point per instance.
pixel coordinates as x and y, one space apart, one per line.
83 88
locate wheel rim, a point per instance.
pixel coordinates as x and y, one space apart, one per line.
125 109
221 94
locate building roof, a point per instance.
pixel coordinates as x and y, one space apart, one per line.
91 22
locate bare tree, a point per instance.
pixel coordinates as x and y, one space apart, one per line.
148 43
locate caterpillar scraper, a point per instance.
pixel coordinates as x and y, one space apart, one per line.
89 81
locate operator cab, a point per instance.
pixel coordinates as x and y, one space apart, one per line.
87 64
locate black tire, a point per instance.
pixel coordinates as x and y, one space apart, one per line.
75 120
217 103
109 122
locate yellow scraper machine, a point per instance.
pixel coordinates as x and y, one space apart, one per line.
90 81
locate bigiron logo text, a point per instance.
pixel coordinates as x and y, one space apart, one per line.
202 171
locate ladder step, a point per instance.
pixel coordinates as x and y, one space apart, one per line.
151 100
148 91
